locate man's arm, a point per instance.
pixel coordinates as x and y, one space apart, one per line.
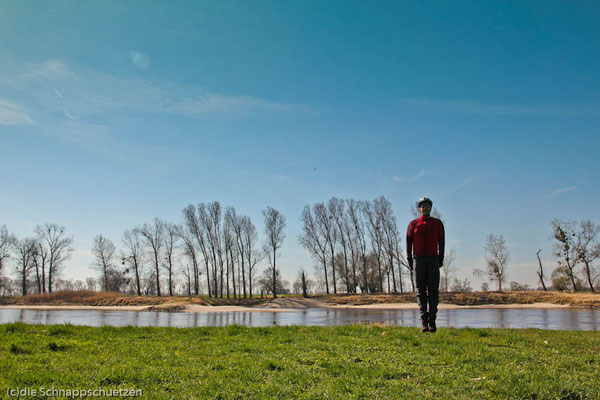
409 245
441 243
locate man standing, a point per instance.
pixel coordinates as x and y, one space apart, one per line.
425 239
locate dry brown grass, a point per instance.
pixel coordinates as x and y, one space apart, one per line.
91 298
589 300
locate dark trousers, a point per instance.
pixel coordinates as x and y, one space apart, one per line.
428 281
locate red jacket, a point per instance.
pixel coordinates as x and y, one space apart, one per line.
427 236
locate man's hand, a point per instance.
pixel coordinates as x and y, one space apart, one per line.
410 263
441 259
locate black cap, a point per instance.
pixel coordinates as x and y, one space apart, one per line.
424 200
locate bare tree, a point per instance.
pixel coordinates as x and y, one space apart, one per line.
210 220
253 255
7 242
190 251
274 226
312 241
327 229
266 282
584 238
337 212
389 239
461 286
355 215
59 248
195 227
564 251
372 214
301 284
25 250
448 269
239 226
134 256
40 261
170 239
540 273
154 235
497 256
231 249
104 251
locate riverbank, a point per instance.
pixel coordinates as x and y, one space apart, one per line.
372 361
83 300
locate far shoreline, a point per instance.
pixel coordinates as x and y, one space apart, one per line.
195 308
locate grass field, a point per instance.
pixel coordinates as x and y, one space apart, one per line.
360 361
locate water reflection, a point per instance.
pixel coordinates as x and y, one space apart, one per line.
564 319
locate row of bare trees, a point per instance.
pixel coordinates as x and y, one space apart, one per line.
219 248
356 244
42 255
576 249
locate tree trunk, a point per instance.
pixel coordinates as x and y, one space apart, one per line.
541 272
157 274
274 275
588 275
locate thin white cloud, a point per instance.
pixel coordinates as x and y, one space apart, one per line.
563 190
78 92
469 107
12 114
467 181
397 179
417 176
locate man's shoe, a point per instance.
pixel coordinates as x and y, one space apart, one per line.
432 327
425 324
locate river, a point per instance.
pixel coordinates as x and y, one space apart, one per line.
554 319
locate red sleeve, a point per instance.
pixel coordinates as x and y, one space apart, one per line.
409 240
441 240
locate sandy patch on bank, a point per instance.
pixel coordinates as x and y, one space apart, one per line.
443 306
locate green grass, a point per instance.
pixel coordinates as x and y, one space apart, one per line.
359 361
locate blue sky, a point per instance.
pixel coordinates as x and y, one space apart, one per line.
114 112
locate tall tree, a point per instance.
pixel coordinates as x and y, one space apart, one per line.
195 227
372 214
231 254
497 257
253 255
355 214
190 251
274 226
448 269
154 235
170 239
337 212
7 242
239 225
564 251
104 251
59 247
585 240
390 236
25 250
40 260
312 241
327 229
133 255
